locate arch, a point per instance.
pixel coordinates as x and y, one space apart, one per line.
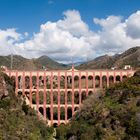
124 77
48 82
90 81
48 98
55 82
76 109
55 113
83 96
48 113
41 110
62 97
34 81
41 81
62 113
69 82
83 81
19 93
76 81
33 97
69 112
69 97
104 81
90 93
27 94
13 79
55 125
62 82
27 82
55 97
118 78
41 97
97 81
20 82
111 80
76 97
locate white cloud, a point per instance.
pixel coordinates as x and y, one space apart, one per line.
70 38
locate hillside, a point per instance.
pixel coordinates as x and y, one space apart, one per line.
21 63
129 57
17 120
114 116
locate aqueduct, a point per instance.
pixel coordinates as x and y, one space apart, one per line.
57 94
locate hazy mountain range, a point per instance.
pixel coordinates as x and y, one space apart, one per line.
129 57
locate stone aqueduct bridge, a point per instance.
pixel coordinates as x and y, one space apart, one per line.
57 94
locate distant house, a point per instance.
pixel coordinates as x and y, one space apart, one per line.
127 67
4 68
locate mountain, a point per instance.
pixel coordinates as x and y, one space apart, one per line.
129 57
21 63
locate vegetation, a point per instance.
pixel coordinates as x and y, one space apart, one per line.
114 116
17 120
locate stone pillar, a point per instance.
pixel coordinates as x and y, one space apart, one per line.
58 97
94 81
66 96
16 90
23 83
80 90
101 83
30 98
44 101
121 77
86 83
37 93
51 81
72 90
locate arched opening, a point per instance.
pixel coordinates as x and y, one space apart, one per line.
27 82
48 113
76 97
34 97
111 80
62 113
41 97
76 82
48 82
90 93
34 81
83 81
76 109
41 82
118 79
20 82
69 112
124 77
55 113
55 82
27 94
62 97
48 99
62 82
55 125
41 110
90 81
69 97
83 97
55 97
20 93
69 82
97 81
104 81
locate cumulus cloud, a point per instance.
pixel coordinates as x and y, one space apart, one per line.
71 39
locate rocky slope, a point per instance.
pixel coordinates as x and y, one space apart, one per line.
114 116
17 120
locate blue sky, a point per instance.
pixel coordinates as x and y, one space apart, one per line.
27 15
68 29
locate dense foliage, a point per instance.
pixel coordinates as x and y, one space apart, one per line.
114 116
17 120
